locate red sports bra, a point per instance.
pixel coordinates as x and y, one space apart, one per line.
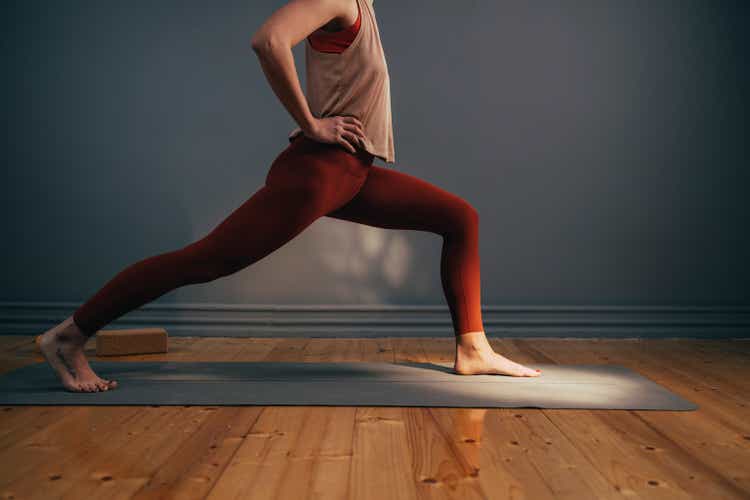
336 41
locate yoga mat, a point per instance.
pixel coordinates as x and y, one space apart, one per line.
344 384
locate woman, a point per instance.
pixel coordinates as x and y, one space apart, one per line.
326 170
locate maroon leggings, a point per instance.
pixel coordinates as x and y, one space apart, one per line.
306 181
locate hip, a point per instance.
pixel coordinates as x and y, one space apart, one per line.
305 160
302 143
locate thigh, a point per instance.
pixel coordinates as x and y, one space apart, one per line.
395 200
270 218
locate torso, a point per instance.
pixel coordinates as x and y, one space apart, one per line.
347 75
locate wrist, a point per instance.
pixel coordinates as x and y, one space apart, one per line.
309 126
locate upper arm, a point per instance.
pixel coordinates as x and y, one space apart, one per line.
292 22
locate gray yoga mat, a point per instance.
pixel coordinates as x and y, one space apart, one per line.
344 384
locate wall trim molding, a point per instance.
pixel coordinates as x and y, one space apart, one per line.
348 321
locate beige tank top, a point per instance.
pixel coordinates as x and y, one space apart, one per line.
354 83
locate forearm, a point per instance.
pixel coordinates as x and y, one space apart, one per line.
277 62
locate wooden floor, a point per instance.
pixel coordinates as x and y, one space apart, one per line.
115 452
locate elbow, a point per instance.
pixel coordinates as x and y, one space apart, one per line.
264 43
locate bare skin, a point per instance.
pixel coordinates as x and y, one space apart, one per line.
475 356
62 347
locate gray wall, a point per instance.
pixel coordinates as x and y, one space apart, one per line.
601 141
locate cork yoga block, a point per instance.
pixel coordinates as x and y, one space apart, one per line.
131 341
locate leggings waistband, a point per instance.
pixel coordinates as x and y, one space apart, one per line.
305 142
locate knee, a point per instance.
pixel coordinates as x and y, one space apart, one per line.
472 215
465 219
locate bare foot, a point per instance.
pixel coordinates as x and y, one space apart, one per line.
62 347
475 356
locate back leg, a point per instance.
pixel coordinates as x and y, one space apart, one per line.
271 217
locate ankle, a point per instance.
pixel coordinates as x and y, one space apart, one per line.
80 331
69 332
472 343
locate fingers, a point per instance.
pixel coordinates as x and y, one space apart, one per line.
353 124
349 132
354 138
351 128
352 119
356 132
343 141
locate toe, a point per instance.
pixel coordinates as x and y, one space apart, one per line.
72 386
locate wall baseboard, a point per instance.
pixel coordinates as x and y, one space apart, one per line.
239 320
